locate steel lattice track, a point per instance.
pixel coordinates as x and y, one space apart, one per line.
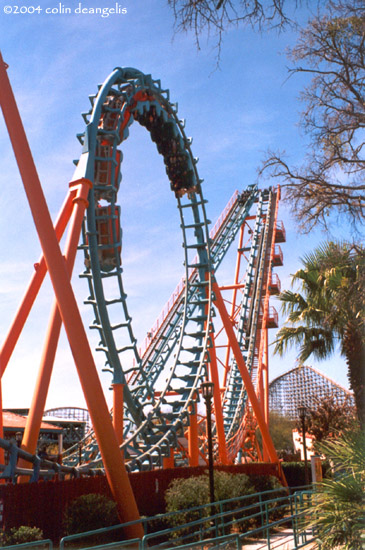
235 398
128 95
180 348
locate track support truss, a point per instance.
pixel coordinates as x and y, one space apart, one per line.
200 334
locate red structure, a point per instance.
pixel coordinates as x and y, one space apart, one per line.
66 308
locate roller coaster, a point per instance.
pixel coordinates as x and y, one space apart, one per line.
201 334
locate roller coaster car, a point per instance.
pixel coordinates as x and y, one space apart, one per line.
181 177
184 185
166 146
150 119
243 197
109 237
107 172
112 107
164 134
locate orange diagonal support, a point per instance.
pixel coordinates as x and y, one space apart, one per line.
234 297
34 419
32 290
213 367
244 374
222 447
104 432
118 411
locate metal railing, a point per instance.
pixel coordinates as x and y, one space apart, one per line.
40 468
233 521
36 545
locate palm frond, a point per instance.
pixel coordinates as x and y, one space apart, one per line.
310 340
337 512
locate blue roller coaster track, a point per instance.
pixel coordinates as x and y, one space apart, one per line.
176 355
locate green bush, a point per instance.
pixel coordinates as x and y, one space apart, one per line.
295 473
21 535
264 483
277 509
185 494
90 512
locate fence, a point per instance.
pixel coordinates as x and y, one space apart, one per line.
43 504
230 522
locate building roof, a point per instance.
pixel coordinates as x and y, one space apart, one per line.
16 423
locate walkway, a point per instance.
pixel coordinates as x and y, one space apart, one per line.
278 541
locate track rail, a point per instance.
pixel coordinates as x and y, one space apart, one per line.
127 96
161 380
158 384
176 351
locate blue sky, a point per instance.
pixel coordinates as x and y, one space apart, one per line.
234 114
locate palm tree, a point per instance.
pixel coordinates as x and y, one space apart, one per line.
337 511
329 309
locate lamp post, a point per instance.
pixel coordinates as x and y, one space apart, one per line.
207 392
80 452
302 410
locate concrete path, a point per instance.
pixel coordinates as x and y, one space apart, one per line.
280 541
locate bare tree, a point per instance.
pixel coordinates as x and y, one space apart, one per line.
332 178
328 418
217 16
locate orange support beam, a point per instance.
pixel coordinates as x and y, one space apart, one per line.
32 290
169 461
245 374
104 432
213 367
222 447
234 297
34 420
263 375
118 411
266 378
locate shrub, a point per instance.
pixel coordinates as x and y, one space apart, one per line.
277 509
90 512
185 494
21 535
264 483
294 473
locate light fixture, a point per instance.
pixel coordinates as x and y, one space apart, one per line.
207 389
302 411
